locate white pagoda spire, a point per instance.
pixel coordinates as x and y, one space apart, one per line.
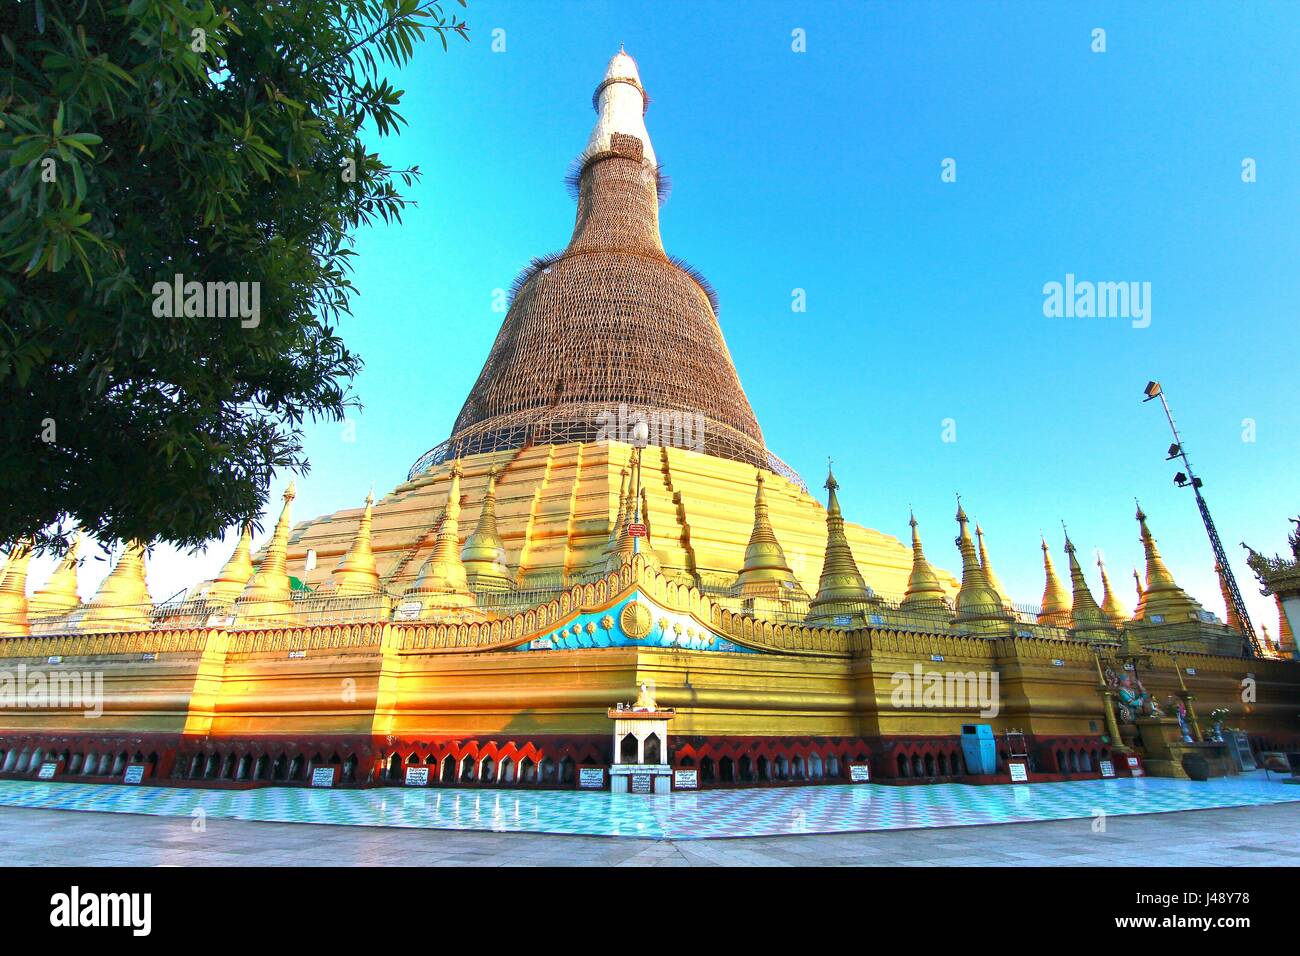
620 103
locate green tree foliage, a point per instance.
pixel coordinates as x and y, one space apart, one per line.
144 139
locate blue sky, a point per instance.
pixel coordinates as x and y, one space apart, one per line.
821 171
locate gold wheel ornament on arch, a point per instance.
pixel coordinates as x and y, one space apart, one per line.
635 620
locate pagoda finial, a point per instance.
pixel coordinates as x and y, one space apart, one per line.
1163 598
620 102
238 570
122 602
1111 605
765 572
444 573
1055 610
1285 636
1085 615
989 573
979 606
356 572
923 587
1230 616
484 553
59 596
13 591
841 592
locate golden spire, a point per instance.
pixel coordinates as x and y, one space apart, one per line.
1085 615
443 573
1230 616
1163 601
638 512
484 553
616 529
1111 605
234 575
1137 583
13 591
59 596
1285 636
989 574
268 598
122 602
978 605
765 571
841 592
356 573
1055 611
923 587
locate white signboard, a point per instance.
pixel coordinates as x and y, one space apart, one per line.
642 783
47 771
322 777
686 779
134 773
417 776
859 773
591 778
1107 768
408 611
1135 767
1019 772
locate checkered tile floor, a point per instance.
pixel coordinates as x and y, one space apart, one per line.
680 816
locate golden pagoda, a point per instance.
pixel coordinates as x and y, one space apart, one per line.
766 572
442 585
924 592
235 574
1230 616
122 602
1087 620
978 607
1163 601
13 591
59 595
633 529
842 594
267 600
355 573
484 554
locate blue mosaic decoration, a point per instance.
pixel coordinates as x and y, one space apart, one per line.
840 808
607 629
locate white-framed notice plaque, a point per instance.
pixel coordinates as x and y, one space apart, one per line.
1019 772
322 777
417 776
859 773
688 779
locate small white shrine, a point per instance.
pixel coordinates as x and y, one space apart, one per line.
641 746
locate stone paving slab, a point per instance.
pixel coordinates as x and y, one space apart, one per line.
1245 836
679 816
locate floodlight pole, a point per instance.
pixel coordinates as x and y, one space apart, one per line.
1252 646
